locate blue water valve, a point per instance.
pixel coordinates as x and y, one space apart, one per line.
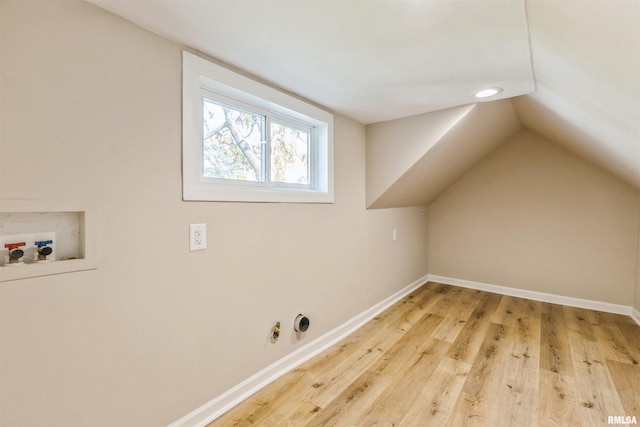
43 249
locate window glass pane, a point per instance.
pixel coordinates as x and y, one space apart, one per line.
233 142
289 154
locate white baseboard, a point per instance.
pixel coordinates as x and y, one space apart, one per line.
219 405
635 315
537 296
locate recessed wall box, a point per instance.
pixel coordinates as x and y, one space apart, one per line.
59 237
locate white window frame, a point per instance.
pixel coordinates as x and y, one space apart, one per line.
200 76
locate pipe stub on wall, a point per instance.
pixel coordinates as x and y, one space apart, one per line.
301 323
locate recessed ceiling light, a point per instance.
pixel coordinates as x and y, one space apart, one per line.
485 93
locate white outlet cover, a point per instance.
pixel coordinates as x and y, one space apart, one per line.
197 237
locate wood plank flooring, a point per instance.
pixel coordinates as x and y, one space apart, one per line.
450 356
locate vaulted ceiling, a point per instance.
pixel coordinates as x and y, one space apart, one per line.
570 68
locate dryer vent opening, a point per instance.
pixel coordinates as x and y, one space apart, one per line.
301 323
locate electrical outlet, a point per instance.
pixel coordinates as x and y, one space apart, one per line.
197 237
394 235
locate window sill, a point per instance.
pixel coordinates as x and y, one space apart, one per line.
247 193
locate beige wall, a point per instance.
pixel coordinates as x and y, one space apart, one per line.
90 110
534 216
636 293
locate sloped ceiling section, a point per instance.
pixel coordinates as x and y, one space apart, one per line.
586 63
393 147
420 163
369 60
572 69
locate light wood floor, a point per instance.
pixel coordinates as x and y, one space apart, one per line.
449 356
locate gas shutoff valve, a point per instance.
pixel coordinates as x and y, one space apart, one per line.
43 249
15 253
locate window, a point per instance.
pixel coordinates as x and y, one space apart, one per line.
245 141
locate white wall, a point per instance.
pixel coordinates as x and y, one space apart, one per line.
90 110
534 216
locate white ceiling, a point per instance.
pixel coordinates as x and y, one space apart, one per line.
578 62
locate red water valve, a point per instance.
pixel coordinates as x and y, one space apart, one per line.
14 253
12 246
